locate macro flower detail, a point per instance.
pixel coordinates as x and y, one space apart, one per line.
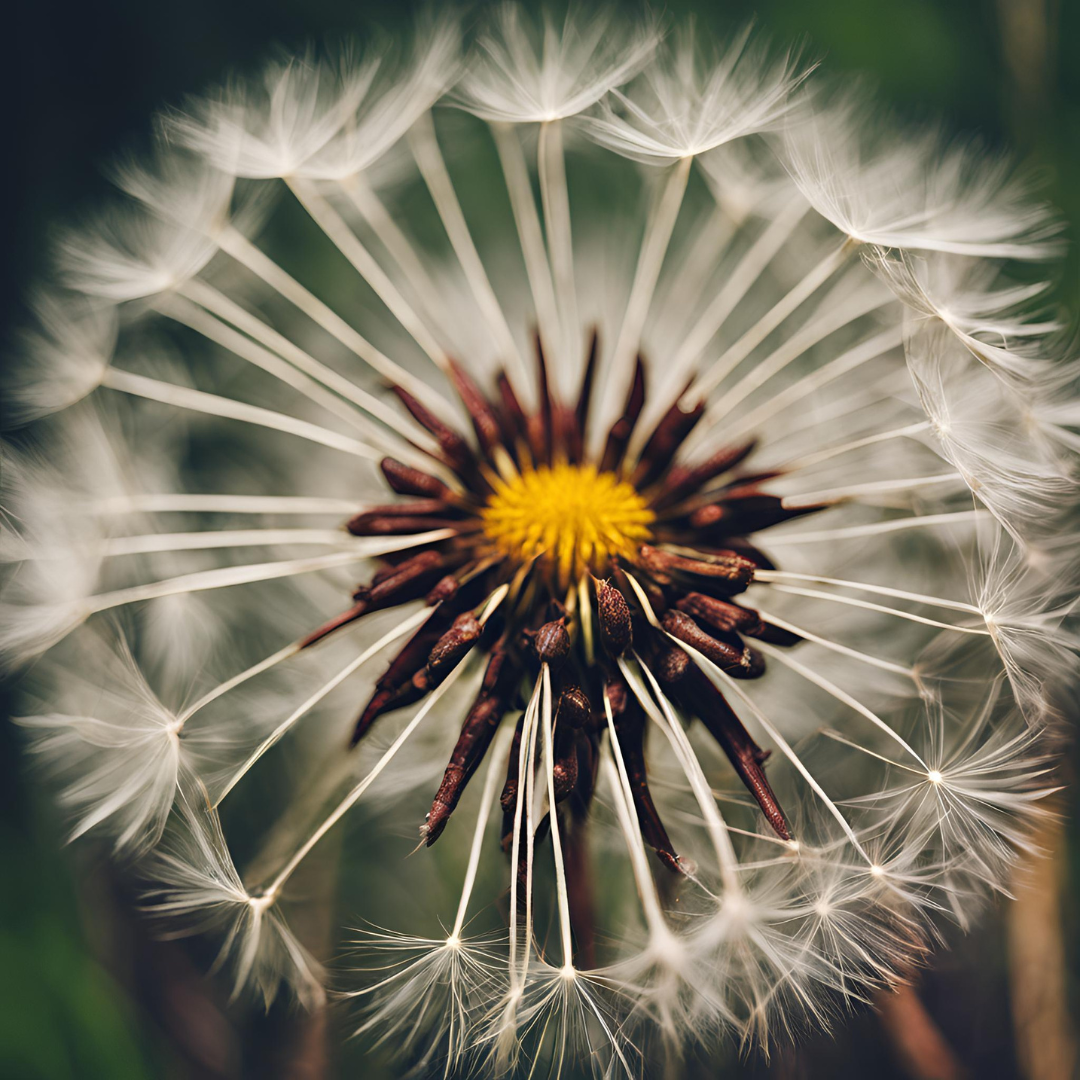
625 466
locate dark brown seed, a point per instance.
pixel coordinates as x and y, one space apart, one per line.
719 614
727 652
552 644
574 708
477 731
444 589
613 615
729 573
406 480
452 646
671 665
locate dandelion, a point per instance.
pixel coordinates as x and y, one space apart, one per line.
692 504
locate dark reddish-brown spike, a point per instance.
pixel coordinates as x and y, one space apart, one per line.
613 616
727 573
655 596
389 587
671 665
546 405
478 730
455 447
719 614
408 580
746 757
726 651
630 727
405 666
584 399
724 615
415 509
361 607
508 798
514 420
619 436
406 480
668 435
684 480
396 525
744 511
449 650
484 420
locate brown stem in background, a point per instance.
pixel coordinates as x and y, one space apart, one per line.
920 1048
1046 1044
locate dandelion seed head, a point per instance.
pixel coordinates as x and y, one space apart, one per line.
692 564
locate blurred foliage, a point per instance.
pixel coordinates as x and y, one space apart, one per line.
85 80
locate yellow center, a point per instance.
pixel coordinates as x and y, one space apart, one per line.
569 515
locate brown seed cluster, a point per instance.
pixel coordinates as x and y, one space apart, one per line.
699 562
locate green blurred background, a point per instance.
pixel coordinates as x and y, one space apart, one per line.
83 993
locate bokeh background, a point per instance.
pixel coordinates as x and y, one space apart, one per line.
84 993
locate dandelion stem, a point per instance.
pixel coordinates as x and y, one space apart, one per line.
530 233
876 487
425 147
225 576
556 202
615 771
757 333
348 243
841 695
234 243
835 646
553 817
486 799
354 665
654 248
851 601
914 521
862 586
275 887
665 719
741 279
182 397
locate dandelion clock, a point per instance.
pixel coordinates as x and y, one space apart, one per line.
589 505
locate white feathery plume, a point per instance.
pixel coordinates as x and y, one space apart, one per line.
688 103
119 759
197 889
67 355
522 73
